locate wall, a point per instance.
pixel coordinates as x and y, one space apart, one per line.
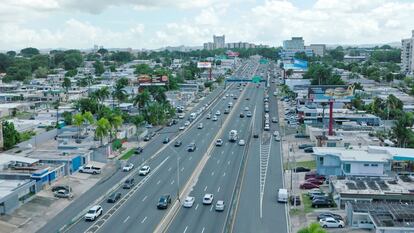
359 168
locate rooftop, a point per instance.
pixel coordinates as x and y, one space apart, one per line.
374 186
7 186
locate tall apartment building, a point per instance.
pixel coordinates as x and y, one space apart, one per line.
407 55
219 41
317 49
209 46
296 43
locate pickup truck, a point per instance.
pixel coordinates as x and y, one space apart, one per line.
90 169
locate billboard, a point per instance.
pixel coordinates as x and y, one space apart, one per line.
145 80
324 93
203 64
300 63
233 54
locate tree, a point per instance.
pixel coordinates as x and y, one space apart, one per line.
78 120
5 62
102 51
72 59
10 135
99 68
102 129
41 72
122 57
116 122
66 84
312 228
143 69
11 53
67 117
29 52
337 53
321 74
289 72
142 99
119 92
39 61
88 118
402 130
20 70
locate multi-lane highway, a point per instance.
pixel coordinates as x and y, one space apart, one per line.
245 177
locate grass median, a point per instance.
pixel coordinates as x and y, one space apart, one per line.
127 155
311 164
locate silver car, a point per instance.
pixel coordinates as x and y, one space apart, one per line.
220 205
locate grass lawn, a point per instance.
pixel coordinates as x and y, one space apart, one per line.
127 155
307 203
311 164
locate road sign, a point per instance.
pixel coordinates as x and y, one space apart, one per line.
256 79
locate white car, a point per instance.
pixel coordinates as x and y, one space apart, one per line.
215 118
277 138
93 213
128 167
242 142
144 170
209 116
218 113
219 142
276 133
181 127
331 222
246 108
187 123
181 116
188 202
227 95
220 205
267 127
208 199
200 126
224 97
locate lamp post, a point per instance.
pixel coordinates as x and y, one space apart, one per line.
178 173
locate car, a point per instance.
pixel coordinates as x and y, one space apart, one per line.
128 167
318 196
200 126
303 146
241 115
313 174
275 133
218 113
208 199
249 114
188 202
294 200
90 169
215 118
170 123
148 126
267 127
164 201
138 150
242 142
255 135
187 123
219 205
274 119
226 111
231 95
277 138
166 140
178 143
224 97
93 213
314 191
308 185
61 187
329 215
227 95
322 202
219 142
246 109
63 193
129 183
147 138
181 127
308 150
247 98
144 170
331 223
230 104
301 169
114 197
191 147
314 181
209 116
235 97
181 116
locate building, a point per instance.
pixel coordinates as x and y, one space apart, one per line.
240 45
296 43
407 55
293 46
209 46
317 49
219 41
349 58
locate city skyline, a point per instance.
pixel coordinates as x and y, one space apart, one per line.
151 25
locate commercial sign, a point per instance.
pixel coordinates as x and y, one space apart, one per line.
204 64
145 80
233 54
324 93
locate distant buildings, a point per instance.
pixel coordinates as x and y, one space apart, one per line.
219 42
317 49
407 55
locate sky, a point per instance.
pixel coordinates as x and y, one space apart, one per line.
152 24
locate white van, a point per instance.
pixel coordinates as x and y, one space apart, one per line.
282 196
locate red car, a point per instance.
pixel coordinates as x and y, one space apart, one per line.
308 185
313 174
314 181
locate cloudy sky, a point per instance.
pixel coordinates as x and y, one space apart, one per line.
159 23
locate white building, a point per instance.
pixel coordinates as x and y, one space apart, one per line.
296 43
209 46
219 41
407 55
317 49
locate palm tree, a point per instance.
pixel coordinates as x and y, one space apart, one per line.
116 122
78 120
402 129
312 228
88 118
137 121
119 93
100 95
102 128
142 99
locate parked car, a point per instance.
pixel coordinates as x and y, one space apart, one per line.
181 127
208 116
314 181
63 193
93 213
313 174
191 147
90 169
314 191
331 223
307 185
208 199
129 183
329 215
60 187
220 205
144 170
128 167
308 150
178 143
218 113
322 202
188 202
187 123
147 138
301 169
138 150
114 197
164 201
303 146
295 199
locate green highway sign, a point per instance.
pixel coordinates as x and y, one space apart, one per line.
256 79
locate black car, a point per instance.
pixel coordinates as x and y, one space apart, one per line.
256 135
114 197
178 143
329 215
308 150
226 111
164 201
322 203
191 147
138 150
241 115
301 169
147 138
266 110
166 140
129 183
294 200
303 146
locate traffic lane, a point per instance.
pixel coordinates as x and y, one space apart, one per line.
217 179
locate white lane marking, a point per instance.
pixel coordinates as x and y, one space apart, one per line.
143 220
222 152
159 182
182 169
172 182
196 207
228 162
198 134
218 190
185 229
212 173
211 208
191 157
143 199
126 219
202 231
169 169
224 174
218 161
232 152
205 188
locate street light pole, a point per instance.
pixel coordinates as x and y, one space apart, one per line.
178 173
